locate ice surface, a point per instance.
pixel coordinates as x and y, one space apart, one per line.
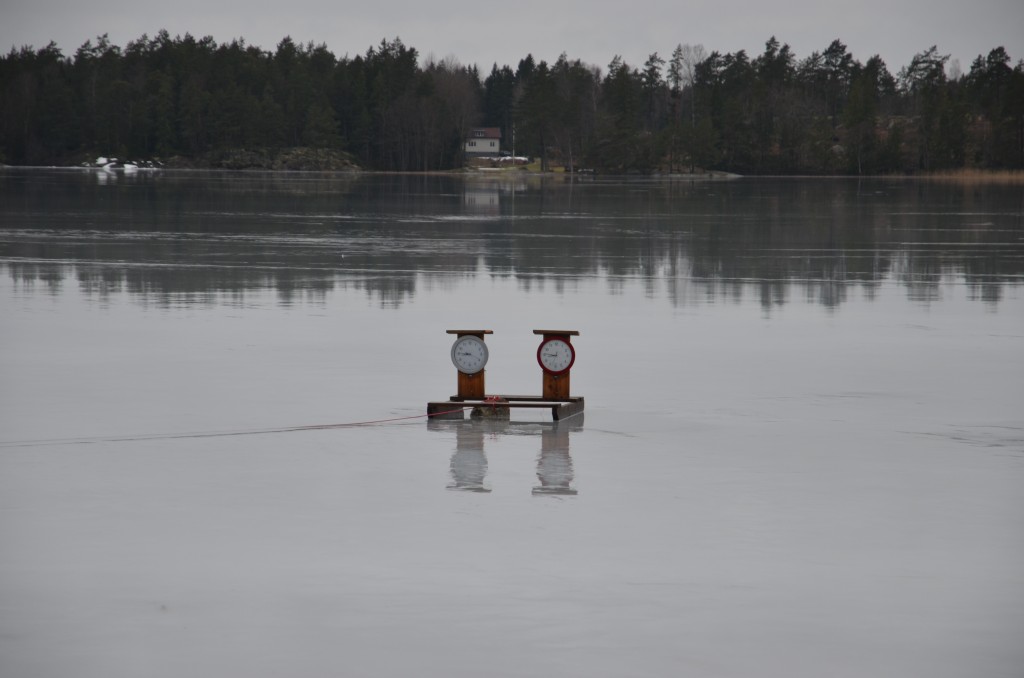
808 491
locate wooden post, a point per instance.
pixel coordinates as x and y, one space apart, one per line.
556 385
471 385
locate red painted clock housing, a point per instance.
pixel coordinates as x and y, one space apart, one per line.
548 340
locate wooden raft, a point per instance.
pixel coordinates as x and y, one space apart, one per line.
455 407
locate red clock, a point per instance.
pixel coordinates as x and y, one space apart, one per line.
556 355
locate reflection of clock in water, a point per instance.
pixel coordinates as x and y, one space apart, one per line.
556 355
469 354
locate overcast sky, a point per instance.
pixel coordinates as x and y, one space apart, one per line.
591 30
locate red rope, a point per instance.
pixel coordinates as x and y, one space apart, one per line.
221 434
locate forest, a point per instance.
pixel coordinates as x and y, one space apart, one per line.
190 101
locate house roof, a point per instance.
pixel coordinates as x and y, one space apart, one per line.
485 133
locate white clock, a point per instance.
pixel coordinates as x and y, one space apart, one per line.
469 354
556 355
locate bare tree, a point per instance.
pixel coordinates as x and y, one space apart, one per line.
683 68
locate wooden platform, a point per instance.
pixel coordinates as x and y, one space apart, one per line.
456 407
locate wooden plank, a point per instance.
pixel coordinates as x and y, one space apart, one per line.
540 398
534 404
525 398
511 403
567 410
455 408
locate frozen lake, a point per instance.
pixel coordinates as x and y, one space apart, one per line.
802 453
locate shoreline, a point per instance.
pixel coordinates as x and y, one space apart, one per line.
962 176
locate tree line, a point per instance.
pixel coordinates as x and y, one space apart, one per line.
771 113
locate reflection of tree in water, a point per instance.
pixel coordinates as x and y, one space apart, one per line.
27 275
219 235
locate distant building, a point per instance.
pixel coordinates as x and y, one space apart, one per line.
483 142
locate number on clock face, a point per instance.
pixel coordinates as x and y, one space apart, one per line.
556 355
469 354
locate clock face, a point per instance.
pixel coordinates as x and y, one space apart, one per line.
556 356
469 354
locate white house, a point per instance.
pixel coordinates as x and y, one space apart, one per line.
483 142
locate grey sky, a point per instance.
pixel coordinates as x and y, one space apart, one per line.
591 30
